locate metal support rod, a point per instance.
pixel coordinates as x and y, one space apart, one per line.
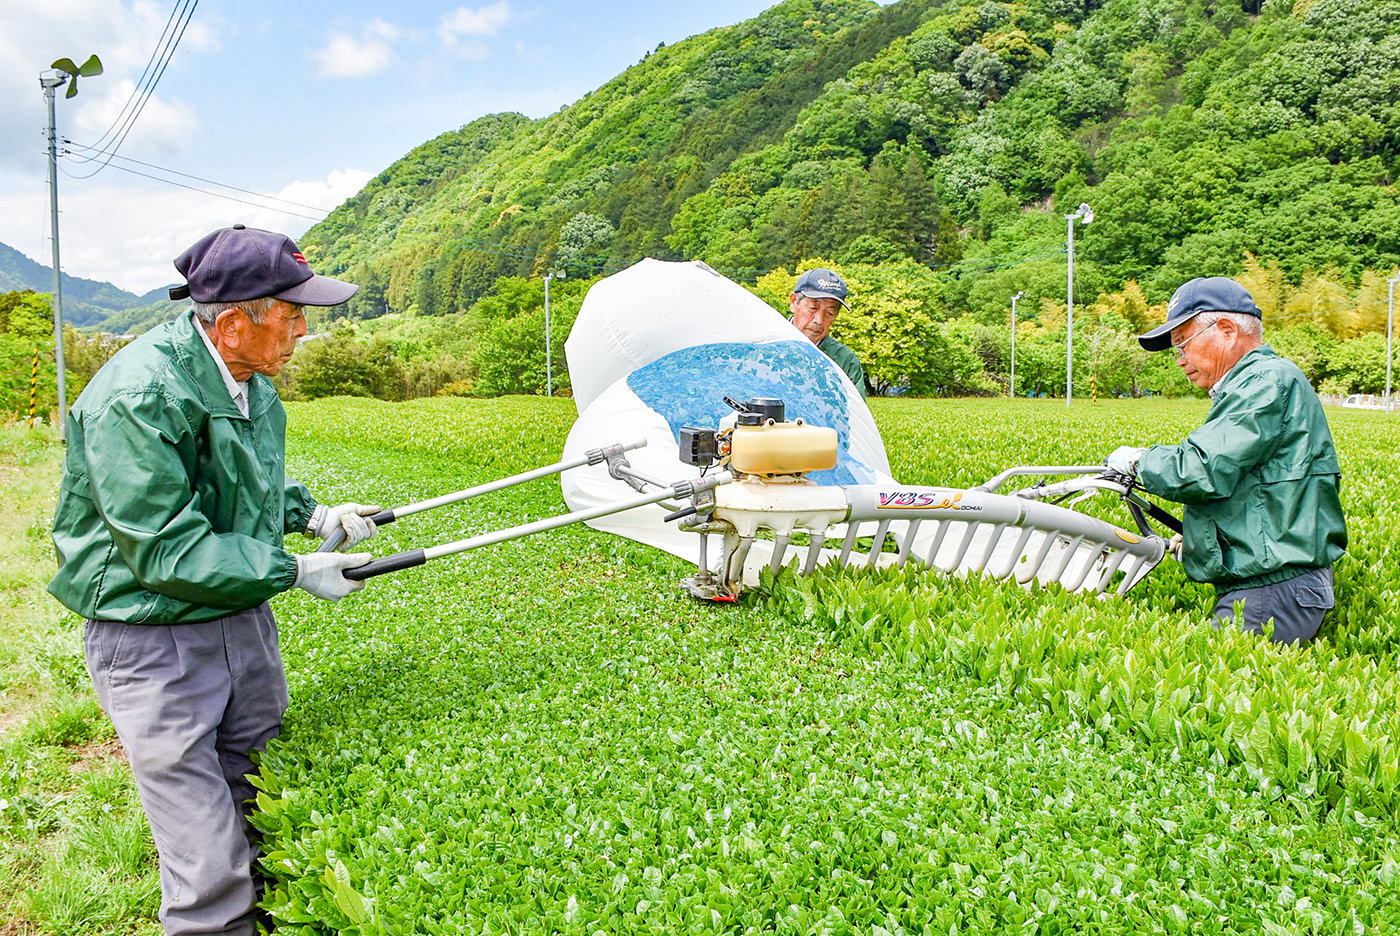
548 342
1086 215
1389 337
995 482
627 471
1069 315
1011 386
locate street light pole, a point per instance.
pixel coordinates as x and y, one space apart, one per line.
1087 214
1011 388
548 340
1389 336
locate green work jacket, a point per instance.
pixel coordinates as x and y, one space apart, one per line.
845 359
1259 479
173 504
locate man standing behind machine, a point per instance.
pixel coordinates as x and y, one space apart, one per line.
816 300
1263 519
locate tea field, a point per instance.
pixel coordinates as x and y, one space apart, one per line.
546 737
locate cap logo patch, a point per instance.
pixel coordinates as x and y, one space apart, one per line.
296 255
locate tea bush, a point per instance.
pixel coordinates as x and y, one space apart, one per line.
545 737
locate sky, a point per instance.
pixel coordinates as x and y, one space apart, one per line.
304 102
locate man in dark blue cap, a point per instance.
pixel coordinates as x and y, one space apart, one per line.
814 303
169 533
1263 518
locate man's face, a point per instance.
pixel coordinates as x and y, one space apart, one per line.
1203 353
269 344
813 317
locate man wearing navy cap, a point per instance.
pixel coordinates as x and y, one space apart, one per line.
1263 519
169 532
814 303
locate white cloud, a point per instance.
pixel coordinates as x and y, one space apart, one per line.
33 35
347 56
130 236
158 129
465 21
199 34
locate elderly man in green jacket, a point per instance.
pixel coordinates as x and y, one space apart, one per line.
169 532
1263 519
816 299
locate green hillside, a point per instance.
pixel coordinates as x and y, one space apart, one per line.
953 133
600 178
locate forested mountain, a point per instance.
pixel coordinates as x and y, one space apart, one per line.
602 177
953 132
85 302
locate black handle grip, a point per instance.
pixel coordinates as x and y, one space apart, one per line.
1139 505
332 542
1161 516
404 560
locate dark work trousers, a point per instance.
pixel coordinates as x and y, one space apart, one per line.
190 703
1297 605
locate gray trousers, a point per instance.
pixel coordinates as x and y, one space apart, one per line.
1297 605
190 702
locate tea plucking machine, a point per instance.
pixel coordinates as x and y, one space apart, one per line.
754 506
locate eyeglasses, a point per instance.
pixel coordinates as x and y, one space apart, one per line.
1180 349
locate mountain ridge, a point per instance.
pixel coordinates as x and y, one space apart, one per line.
86 303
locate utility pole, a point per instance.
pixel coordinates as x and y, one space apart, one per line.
62 72
548 342
1011 387
1087 213
49 83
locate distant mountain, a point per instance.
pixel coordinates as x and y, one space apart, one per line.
86 303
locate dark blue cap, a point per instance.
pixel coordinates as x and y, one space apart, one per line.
821 284
241 263
1202 294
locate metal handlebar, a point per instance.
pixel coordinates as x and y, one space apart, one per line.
416 557
608 453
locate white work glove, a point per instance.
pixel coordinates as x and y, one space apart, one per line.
321 574
352 518
1174 546
1124 459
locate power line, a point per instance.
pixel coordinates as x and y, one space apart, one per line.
169 41
196 178
140 83
193 188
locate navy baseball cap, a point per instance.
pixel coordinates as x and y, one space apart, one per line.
822 284
241 263
1202 294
